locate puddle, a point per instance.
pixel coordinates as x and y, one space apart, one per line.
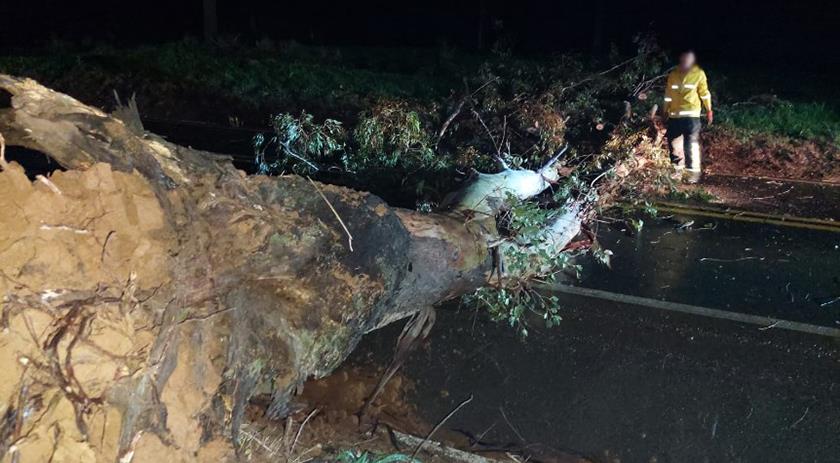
781 272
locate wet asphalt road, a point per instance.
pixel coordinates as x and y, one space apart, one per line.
624 383
629 384
781 272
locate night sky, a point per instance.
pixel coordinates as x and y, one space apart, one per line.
784 33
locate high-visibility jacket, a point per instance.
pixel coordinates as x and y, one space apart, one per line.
686 91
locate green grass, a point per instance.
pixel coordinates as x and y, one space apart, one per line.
792 119
343 80
294 74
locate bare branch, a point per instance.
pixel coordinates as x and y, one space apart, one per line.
349 236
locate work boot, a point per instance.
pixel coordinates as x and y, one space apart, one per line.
693 176
677 173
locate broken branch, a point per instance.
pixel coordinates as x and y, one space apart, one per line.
349 236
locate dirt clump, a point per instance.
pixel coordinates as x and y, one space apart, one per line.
327 419
81 255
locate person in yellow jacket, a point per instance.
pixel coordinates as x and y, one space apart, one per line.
686 93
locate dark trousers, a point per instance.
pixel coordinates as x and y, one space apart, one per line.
684 142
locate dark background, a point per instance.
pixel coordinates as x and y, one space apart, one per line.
784 33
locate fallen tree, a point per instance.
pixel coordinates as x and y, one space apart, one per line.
150 289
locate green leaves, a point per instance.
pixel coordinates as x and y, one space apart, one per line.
390 135
299 143
512 306
355 456
796 120
603 256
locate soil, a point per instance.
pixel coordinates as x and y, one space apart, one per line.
328 424
781 197
327 417
763 155
101 233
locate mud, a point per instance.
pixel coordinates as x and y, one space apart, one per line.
815 200
327 417
82 255
765 155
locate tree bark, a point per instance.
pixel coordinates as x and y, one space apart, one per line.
151 289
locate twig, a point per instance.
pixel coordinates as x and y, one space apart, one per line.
3 162
287 432
646 84
801 418
492 138
593 76
458 108
449 120
443 452
349 236
740 259
49 184
437 426
254 438
601 175
485 84
416 329
300 430
832 301
772 325
773 196
511 426
292 153
105 245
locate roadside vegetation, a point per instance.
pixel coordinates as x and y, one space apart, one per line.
413 124
814 121
290 77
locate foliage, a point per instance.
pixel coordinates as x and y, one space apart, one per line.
650 209
512 110
798 120
355 456
415 119
525 222
696 194
545 106
603 256
389 135
297 142
285 77
288 76
513 305
636 224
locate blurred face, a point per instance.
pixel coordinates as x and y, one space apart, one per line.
687 61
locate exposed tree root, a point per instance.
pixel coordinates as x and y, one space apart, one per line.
194 286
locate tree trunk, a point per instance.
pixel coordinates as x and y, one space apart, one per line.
150 290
